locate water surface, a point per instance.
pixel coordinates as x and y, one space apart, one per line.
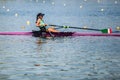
62 58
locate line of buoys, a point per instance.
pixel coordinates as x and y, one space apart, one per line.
4 7
27 23
16 15
53 3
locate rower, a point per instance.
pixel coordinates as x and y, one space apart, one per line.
43 27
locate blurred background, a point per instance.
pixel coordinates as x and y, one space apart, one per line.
20 15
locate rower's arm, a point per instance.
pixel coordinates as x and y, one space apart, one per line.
38 23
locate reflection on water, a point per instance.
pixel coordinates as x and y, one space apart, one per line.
26 57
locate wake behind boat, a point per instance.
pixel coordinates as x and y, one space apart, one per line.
59 34
16 33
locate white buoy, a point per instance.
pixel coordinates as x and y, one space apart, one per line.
116 2
81 6
4 7
43 1
53 3
102 9
16 14
36 0
98 1
8 10
28 22
64 4
85 0
118 27
84 27
23 27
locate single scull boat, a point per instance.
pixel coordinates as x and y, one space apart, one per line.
60 34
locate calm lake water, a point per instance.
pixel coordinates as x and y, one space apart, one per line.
62 58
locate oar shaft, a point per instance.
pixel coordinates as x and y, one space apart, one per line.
85 28
76 27
109 30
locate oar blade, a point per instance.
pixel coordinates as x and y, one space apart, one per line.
109 30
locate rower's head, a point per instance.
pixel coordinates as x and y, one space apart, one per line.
40 15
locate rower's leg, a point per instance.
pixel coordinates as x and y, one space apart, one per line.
52 30
43 31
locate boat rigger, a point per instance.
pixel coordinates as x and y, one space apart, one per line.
60 34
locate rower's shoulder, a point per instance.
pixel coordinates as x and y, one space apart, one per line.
39 20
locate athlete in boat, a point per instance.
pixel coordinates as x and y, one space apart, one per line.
40 23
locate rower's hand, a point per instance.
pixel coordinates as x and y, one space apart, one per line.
45 25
